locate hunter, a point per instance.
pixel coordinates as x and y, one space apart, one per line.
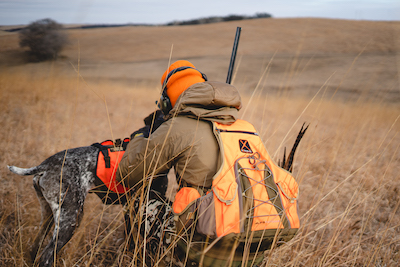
186 142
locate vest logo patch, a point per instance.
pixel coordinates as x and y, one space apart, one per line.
245 146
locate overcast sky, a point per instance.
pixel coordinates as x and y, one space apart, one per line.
13 12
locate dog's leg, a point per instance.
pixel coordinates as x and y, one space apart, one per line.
67 217
45 224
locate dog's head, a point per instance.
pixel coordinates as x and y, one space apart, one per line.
157 117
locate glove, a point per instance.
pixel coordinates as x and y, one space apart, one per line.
143 132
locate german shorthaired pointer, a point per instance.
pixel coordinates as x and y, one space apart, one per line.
62 183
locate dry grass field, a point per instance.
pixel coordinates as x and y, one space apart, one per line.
341 77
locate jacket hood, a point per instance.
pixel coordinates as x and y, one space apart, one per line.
212 101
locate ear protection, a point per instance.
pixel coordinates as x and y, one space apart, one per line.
165 103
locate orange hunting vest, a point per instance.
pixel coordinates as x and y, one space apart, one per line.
107 164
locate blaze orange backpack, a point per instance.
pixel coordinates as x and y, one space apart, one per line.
252 204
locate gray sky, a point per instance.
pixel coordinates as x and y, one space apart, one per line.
13 12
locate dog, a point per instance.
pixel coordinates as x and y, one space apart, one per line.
62 183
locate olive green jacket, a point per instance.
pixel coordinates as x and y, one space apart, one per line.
185 140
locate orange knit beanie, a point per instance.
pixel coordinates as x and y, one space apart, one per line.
181 80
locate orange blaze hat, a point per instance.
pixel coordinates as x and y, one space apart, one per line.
179 81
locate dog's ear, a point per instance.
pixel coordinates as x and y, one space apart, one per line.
158 119
159 114
148 119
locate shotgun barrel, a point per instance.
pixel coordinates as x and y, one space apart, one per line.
233 56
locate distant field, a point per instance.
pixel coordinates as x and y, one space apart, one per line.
340 76
361 56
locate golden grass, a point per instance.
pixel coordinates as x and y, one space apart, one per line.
348 163
347 166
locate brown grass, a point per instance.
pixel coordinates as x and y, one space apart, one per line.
339 76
